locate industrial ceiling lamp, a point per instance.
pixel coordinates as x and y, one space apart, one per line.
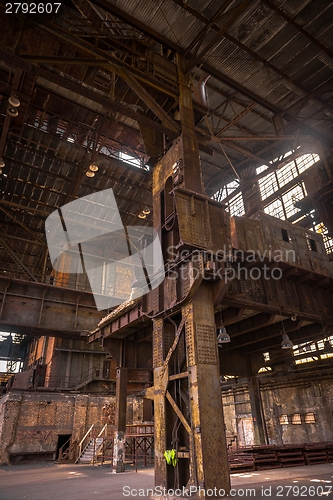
12 111
222 336
14 101
286 342
93 167
143 211
2 163
89 173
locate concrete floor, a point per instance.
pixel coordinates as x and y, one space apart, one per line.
49 481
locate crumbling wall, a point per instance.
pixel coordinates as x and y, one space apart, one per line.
9 412
30 423
299 413
296 411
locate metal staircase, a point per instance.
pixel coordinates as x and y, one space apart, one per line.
86 450
90 453
90 445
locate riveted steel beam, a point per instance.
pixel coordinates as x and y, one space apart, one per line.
33 308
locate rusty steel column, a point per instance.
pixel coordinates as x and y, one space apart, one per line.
160 421
256 410
187 397
192 169
120 421
207 422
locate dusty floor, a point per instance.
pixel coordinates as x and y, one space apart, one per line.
49 481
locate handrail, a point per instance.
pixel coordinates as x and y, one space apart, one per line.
82 440
70 451
86 434
62 447
104 428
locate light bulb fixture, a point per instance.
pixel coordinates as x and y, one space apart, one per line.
93 167
90 174
142 215
11 111
2 163
286 342
14 101
294 317
222 336
146 211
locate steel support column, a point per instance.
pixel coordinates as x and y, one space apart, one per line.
207 422
256 410
120 421
191 158
187 392
187 400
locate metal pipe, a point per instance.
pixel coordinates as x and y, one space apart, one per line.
202 89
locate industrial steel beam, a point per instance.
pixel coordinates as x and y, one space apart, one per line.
12 251
15 219
84 91
141 92
253 54
35 309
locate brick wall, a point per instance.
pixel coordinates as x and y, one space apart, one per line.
30 423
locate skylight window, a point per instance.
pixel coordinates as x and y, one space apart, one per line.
275 209
236 206
283 206
136 162
222 193
328 241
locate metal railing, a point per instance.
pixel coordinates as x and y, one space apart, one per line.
139 445
70 382
84 442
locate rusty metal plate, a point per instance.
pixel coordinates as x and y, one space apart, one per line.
189 334
152 301
192 220
187 312
220 224
206 344
157 343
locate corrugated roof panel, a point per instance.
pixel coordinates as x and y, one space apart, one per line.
165 17
257 27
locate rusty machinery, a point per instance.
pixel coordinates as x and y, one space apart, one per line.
183 312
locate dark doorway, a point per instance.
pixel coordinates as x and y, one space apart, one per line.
147 410
64 442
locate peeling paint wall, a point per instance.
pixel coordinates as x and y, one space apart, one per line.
30 423
296 404
295 412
